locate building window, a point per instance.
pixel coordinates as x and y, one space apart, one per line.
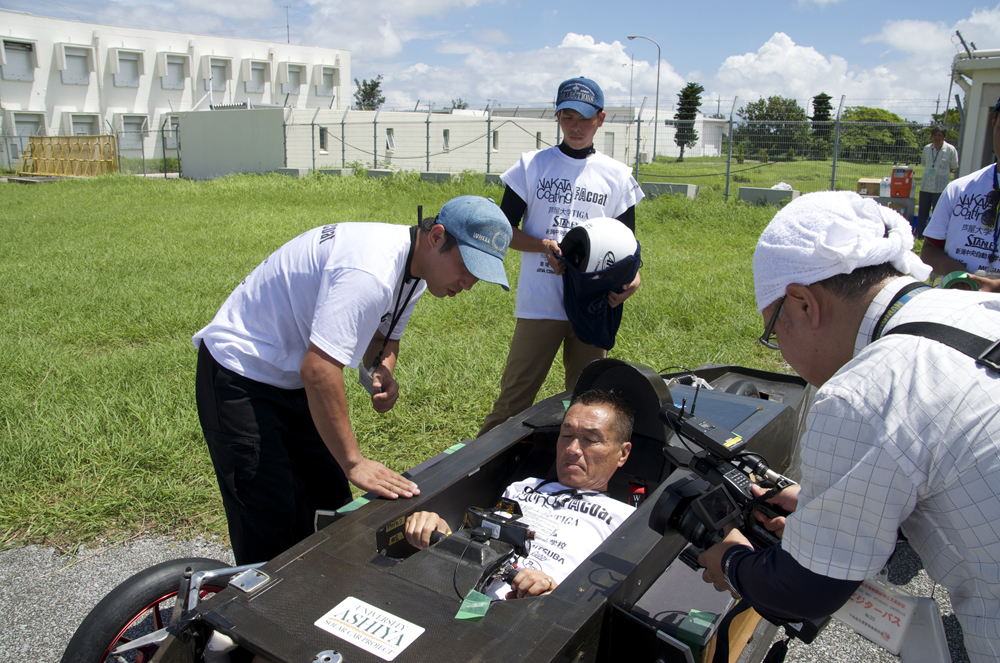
390 140
496 140
218 71
130 68
538 140
76 65
446 140
19 61
323 139
29 124
174 70
258 74
133 130
290 76
327 78
84 125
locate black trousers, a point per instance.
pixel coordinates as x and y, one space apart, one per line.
926 202
273 468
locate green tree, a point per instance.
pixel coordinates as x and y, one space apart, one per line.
822 125
459 103
951 124
688 101
369 96
875 135
776 125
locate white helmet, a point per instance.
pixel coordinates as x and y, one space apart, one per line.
597 244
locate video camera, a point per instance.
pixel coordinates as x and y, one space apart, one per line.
700 508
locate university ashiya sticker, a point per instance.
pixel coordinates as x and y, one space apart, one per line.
369 628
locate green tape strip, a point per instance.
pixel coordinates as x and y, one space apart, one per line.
566 404
455 447
354 506
958 281
474 606
692 630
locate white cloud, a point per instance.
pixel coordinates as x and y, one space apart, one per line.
530 77
377 29
782 67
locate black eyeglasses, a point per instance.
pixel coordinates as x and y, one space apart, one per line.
768 334
989 217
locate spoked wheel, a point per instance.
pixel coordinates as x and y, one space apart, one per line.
140 605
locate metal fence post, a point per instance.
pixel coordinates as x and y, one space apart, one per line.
312 133
638 131
343 145
961 133
729 157
375 137
163 145
836 145
430 108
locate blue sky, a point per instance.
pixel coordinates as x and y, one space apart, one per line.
515 53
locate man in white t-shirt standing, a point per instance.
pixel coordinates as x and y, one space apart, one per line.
572 516
554 190
270 383
963 234
939 160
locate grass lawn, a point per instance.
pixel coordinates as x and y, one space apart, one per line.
105 280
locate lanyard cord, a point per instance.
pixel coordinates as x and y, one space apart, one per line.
905 294
397 312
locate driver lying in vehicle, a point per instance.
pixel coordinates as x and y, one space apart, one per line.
572 516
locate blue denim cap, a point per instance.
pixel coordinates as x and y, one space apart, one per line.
996 106
483 235
580 94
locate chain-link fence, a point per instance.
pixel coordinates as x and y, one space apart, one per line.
808 156
138 155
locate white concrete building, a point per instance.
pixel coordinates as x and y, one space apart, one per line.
979 77
60 77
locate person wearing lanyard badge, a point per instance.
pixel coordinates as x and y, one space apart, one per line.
962 235
939 159
270 377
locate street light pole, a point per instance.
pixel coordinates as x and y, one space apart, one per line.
656 114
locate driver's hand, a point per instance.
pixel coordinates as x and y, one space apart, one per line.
530 582
374 477
420 526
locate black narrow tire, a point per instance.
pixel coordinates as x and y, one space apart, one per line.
128 603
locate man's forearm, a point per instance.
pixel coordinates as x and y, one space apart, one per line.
778 586
323 378
388 357
940 261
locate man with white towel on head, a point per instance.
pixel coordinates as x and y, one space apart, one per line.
904 432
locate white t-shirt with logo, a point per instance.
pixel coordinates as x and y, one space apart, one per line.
561 193
333 286
957 219
567 528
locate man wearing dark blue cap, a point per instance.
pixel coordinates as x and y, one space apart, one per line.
963 232
270 383
554 190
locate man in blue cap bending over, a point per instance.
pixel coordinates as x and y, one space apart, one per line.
554 190
270 383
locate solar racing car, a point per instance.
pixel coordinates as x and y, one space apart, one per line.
356 591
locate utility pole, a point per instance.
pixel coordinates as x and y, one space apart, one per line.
288 30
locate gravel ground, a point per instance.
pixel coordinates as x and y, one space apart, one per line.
44 595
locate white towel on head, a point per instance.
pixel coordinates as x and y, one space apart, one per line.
823 234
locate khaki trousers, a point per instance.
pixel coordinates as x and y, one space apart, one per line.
532 349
